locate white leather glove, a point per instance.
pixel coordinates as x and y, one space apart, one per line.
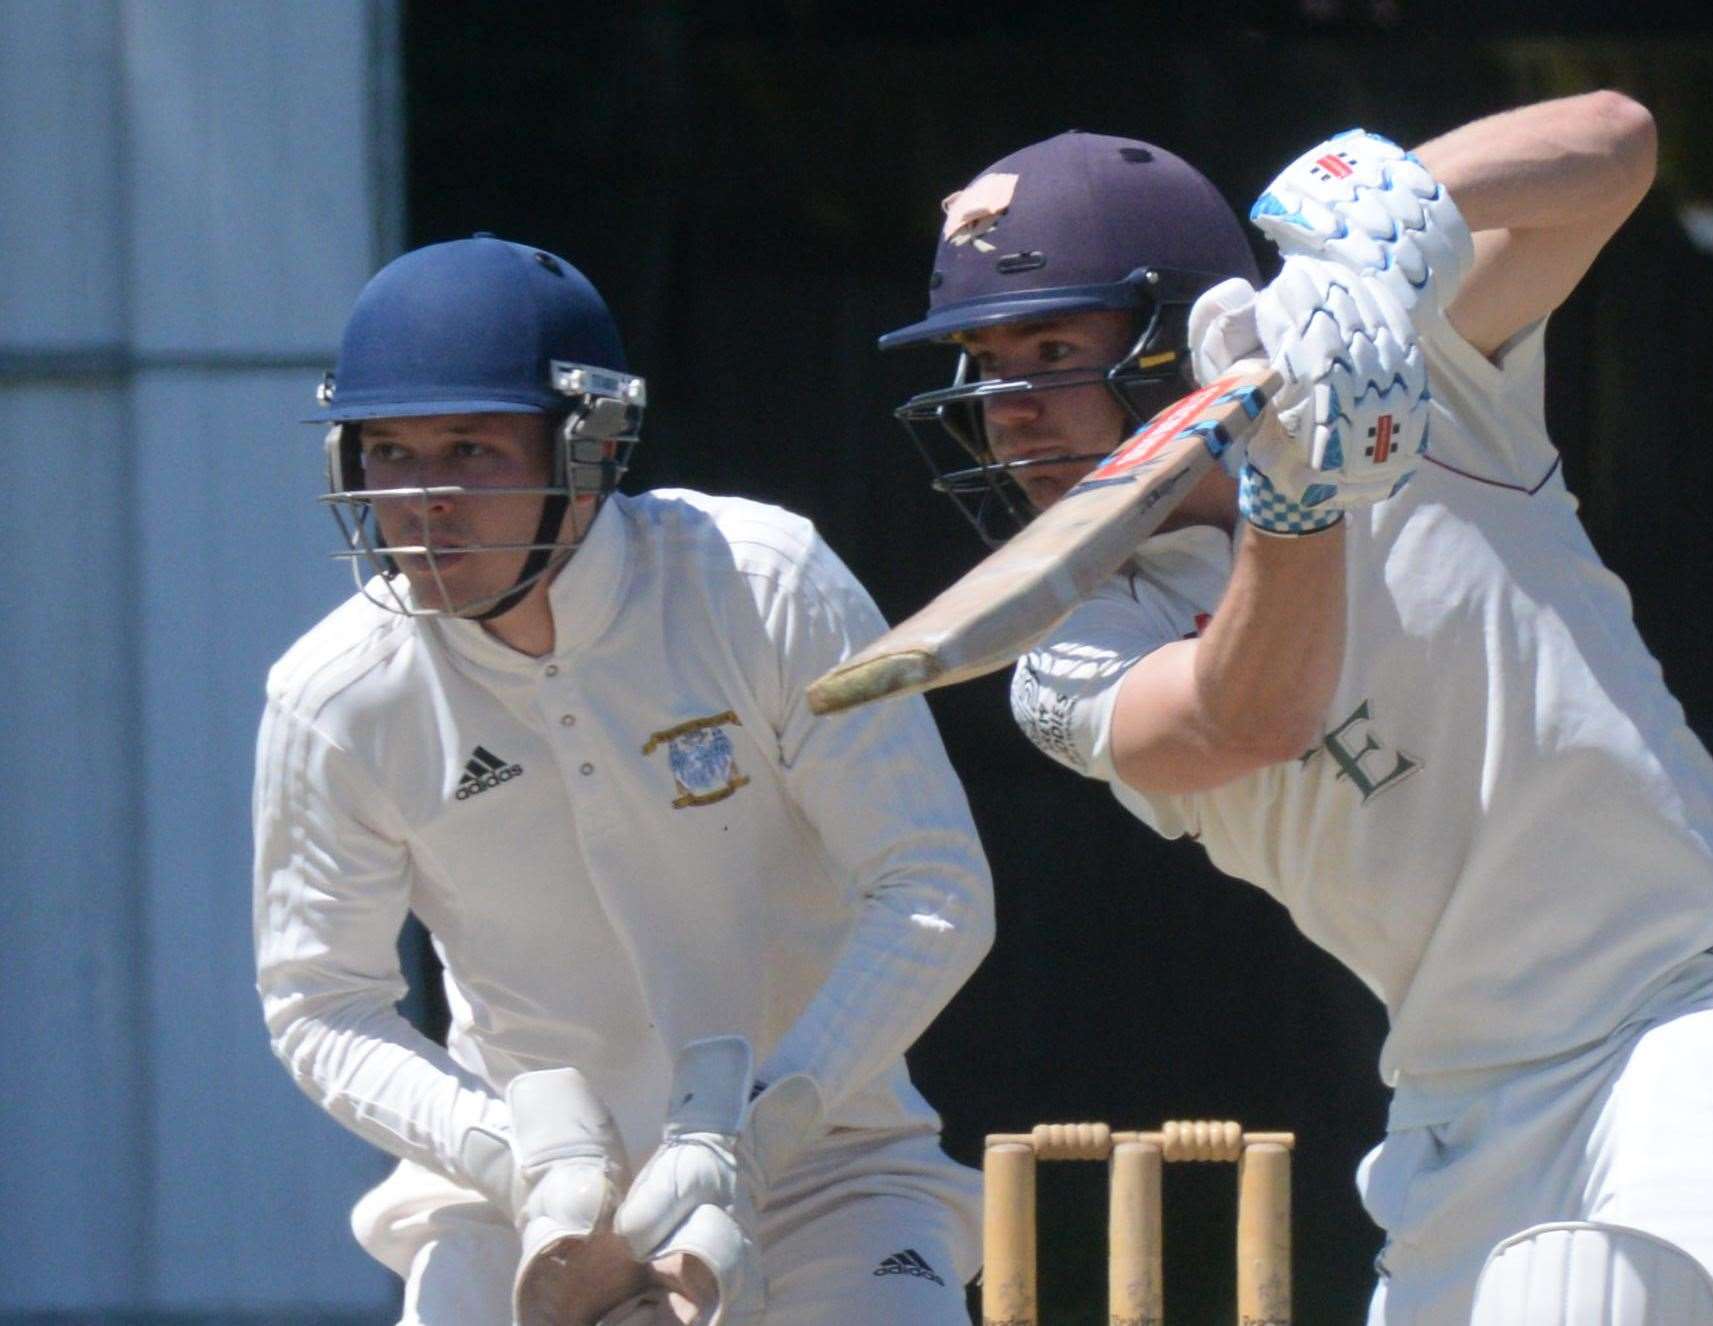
1363 202
559 1174
1354 401
700 1191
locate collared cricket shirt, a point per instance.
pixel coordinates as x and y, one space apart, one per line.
640 839
1506 828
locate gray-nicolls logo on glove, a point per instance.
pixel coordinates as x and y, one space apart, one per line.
1361 201
1355 399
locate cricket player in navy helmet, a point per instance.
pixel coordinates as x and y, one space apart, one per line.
1377 669
688 930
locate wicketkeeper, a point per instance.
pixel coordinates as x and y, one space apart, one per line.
687 929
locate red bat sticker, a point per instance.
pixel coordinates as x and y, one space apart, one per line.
1161 429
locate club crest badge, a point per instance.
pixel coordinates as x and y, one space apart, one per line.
704 766
973 212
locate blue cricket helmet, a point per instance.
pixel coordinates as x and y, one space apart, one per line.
478 326
472 326
1078 223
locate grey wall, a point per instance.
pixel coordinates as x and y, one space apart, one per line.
193 193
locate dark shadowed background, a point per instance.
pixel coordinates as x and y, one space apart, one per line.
755 188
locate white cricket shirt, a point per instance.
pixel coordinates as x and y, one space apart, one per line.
1506 829
640 839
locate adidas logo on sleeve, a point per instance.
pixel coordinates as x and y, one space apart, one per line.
485 770
908 1262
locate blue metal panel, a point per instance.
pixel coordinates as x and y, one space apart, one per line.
212 183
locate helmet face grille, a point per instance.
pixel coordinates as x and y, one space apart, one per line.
581 469
599 416
948 430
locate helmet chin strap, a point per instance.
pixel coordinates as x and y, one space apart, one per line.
546 535
590 444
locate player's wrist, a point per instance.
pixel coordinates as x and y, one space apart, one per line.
1270 509
700 1160
1294 534
720 1101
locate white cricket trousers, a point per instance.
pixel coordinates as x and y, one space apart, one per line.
1618 1131
874 1227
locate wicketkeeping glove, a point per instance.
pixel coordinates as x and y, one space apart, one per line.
1355 398
1363 202
721 1150
559 1174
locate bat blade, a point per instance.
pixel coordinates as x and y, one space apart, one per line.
1012 598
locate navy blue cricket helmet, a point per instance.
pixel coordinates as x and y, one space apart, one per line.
472 326
479 326
1077 223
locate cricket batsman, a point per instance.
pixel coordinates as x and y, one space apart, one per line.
1377 670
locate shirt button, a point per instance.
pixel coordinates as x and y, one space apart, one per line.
567 720
552 669
588 768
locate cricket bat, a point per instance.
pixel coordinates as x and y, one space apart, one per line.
1010 600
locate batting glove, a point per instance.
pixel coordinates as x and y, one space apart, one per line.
1354 402
1363 202
721 1150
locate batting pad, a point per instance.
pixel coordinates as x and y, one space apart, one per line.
1577 1274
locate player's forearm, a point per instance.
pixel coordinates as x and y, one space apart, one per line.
1253 689
1549 165
916 942
1268 663
1542 188
891 816
363 1063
